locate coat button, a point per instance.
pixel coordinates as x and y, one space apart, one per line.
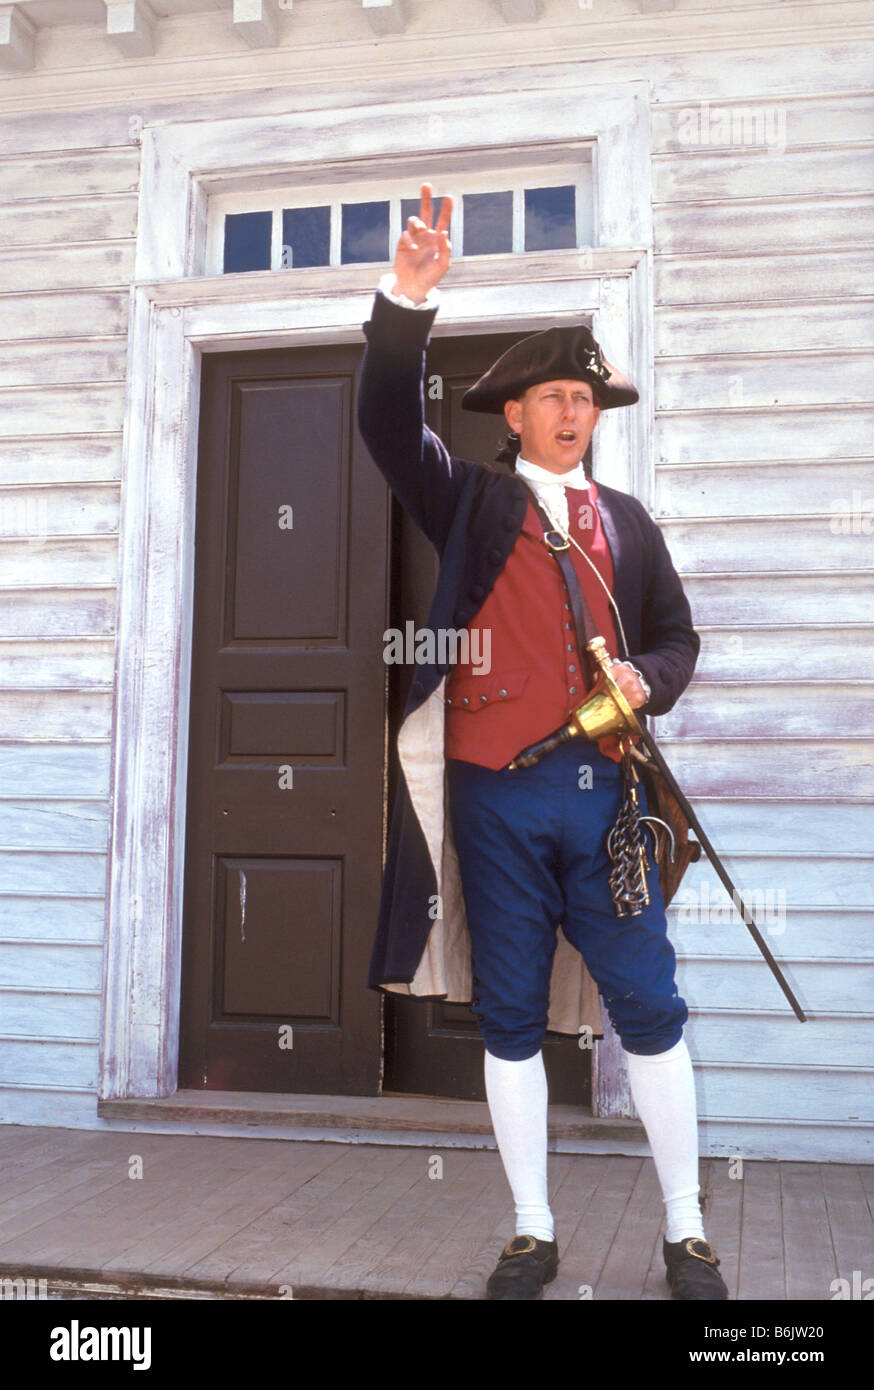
449 701
495 556
465 700
572 691
477 591
503 694
570 646
509 523
483 699
572 668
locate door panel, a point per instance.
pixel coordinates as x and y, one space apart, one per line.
285 822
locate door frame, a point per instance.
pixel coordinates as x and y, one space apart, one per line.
176 314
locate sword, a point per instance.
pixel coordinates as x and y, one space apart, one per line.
626 722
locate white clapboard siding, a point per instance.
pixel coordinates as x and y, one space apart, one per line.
769 327
834 650
764 419
61 409
52 916
58 612
55 461
34 1013
31 362
765 493
765 380
788 123
766 543
67 230
815 933
797 878
779 488
75 713
741 278
60 510
760 766
787 708
38 769
31 964
77 663
113 217
64 174
761 172
51 316
744 227
81 561
743 433
732 1036
790 596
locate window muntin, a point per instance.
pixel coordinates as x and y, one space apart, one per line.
530 208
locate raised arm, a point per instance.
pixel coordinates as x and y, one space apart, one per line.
391 397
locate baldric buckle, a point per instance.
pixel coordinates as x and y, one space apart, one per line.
565 544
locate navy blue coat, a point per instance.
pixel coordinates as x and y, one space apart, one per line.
473 516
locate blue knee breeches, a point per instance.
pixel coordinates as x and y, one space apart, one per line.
532 852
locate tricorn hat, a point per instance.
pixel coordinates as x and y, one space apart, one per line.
556 354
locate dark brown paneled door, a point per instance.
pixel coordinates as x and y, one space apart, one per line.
287 730
434 1048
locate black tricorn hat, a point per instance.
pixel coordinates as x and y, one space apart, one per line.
556 354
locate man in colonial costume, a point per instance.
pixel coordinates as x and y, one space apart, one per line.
485 861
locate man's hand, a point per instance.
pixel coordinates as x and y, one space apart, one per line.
629 684
423 252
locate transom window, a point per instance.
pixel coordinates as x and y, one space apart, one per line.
530 208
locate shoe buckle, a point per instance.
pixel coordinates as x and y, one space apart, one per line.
708 1259
522 1250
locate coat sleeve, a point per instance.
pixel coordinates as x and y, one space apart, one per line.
391 418
670 642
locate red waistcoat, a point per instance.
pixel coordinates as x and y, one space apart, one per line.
526 675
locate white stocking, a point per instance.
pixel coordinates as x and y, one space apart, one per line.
663 1090
517 1097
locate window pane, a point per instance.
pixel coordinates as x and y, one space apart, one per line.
306 237
410 208
364 235
550 218
247 241
488 223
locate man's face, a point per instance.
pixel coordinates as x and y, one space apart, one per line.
555 421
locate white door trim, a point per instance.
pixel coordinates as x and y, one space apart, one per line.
177 313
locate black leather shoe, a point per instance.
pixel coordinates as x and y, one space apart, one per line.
692 1269
524 1266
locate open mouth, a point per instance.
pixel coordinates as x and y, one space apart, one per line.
566 437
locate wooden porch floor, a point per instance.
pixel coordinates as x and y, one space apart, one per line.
229 1217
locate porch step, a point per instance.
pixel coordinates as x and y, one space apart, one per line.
425 1121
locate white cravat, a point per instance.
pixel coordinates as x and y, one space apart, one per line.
550 488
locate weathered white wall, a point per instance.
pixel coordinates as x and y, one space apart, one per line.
764 413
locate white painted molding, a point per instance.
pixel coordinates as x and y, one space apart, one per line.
386 16
257 22
177 313
17 39
519 11
130 24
